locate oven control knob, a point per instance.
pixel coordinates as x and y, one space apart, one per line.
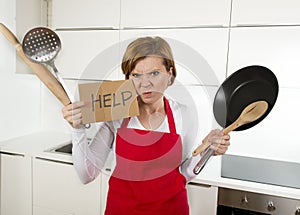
271 206
244 201
297 212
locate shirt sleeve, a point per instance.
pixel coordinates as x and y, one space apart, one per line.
187 167
89 156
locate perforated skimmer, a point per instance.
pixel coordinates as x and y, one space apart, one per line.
41 45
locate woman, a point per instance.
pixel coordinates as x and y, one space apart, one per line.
152 152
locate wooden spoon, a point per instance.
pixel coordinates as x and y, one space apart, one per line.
250 113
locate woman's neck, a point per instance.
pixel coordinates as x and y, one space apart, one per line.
152 115
148 109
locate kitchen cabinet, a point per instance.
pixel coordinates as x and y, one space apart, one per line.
202 198
277 48
15 187
267 12
88 54
105 174
200 54
82 14
174 13
34 15
277 130
58 190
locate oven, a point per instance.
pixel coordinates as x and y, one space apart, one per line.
237 202
258 170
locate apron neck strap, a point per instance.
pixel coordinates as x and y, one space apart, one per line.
169 113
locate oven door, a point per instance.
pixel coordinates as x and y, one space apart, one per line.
237 202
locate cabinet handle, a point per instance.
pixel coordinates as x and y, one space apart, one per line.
199 185
12 154
55 161
171 27
86 29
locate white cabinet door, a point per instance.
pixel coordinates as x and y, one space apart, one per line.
104 188
46 211
85 14
105 175
279 129
90 54
266 12
26 19
277 48
203 199
58 190
16 196
174 13
200 54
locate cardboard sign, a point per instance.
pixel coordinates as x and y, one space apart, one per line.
108 100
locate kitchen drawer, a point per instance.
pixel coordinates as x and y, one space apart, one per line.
46 211
15 187
105 175
58 190
202 198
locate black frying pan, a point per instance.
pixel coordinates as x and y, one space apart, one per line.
245 86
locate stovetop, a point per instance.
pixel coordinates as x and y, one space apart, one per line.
260 170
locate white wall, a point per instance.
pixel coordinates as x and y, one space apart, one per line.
19 94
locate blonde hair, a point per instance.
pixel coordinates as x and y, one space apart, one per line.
142 47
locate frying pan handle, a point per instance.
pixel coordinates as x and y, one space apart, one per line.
201 148
203 161
229 128
206 144
208 153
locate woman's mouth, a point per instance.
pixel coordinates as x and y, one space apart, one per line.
147 93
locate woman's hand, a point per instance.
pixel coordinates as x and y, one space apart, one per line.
219 141
72 113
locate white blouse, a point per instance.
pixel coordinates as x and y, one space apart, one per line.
89 157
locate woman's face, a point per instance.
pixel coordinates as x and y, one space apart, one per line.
150 78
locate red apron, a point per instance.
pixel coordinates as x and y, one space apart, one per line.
146 179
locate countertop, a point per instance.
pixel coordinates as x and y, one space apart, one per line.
37 145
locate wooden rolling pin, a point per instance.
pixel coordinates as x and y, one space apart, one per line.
40 70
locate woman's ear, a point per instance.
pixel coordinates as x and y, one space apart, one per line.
170 73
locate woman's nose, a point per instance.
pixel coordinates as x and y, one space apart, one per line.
145 81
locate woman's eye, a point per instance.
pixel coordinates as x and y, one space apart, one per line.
135 75
154 73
